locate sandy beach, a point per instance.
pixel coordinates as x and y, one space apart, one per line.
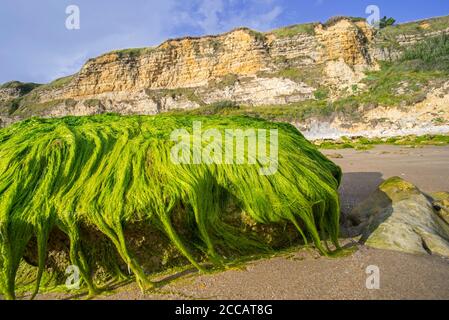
427 168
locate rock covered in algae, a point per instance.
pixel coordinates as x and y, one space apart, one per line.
398 216
441 204
104 194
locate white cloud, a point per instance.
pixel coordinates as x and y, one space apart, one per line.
210 11
67 64
267 19
216 16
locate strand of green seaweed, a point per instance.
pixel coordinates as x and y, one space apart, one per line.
110 170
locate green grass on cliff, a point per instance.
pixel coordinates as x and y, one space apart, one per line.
415 28
407 80
58 83
109 171
430 54
23 87
309 28
293 30
299 111
133 52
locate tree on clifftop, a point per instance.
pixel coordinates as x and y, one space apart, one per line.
385 22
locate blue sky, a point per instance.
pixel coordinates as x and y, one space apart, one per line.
36 46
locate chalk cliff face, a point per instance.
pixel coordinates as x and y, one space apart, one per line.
241 65
174 64
281 67
190 62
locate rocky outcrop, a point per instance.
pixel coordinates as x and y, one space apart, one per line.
188 62
441 204
195 62
15 89
9 93
260 91
398 216
346 51
428 115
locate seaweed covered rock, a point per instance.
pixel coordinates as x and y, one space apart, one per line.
398 216
151 248
108 194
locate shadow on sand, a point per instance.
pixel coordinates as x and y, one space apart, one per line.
363 206
356 187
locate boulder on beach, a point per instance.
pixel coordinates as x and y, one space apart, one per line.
441 204
398 216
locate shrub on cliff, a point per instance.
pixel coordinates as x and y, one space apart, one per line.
432 54
386 22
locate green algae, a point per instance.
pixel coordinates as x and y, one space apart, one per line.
109 171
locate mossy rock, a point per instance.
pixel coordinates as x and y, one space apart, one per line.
398 216
441 204
151 248
398 189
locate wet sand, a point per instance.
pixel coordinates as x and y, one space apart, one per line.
305 274
363 171
308 276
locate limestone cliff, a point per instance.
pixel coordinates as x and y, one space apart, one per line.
285 66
